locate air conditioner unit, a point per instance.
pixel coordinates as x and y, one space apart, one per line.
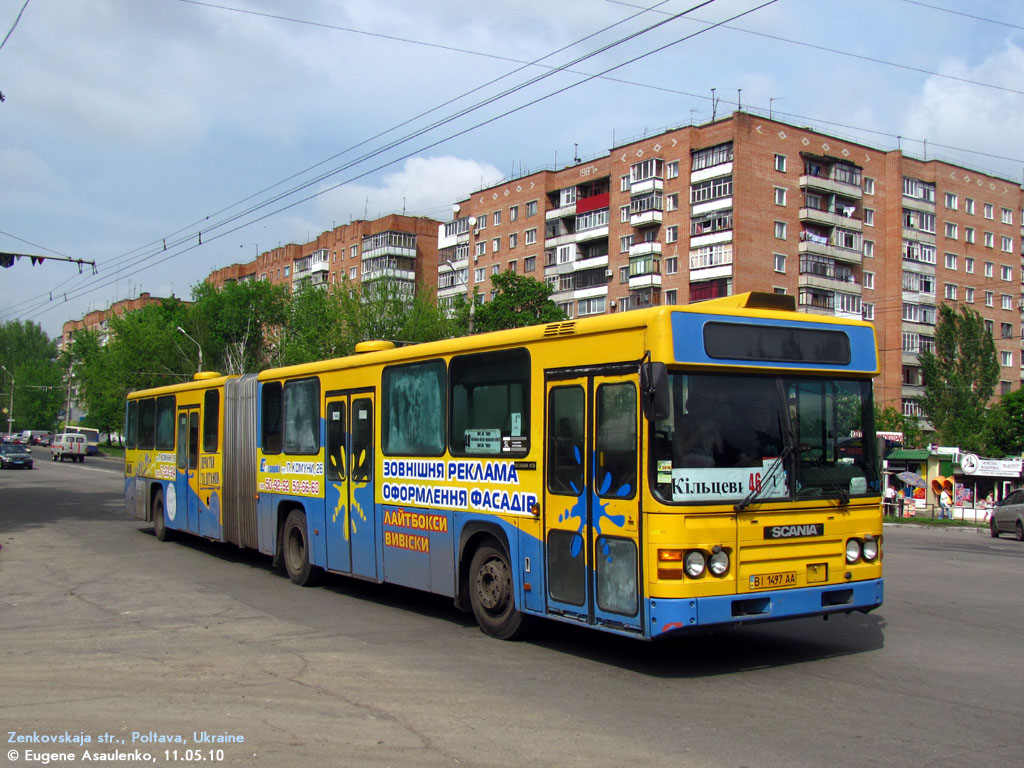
475 258
607 273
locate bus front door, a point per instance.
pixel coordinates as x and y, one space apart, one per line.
348 484
592 501
186 513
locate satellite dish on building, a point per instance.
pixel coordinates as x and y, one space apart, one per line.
472 221
456 208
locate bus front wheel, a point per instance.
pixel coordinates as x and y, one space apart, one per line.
295 544
492 596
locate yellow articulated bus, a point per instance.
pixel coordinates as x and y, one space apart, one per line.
647 473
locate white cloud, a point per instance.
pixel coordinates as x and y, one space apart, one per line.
423 186
960 114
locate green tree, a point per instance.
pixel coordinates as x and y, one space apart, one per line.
520 301
101 388
30 357
384 309
1004 428
237 326
313 327
891 419
146 350
959 378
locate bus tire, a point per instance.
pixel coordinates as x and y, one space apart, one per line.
492 596
160 529
295 550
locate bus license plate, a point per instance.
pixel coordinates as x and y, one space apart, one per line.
773 580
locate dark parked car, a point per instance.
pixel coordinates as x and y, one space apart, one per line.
1008 516
14 456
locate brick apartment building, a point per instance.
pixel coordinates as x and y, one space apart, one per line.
747 203
402 248
98 320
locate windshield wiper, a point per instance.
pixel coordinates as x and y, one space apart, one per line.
830 488
776 465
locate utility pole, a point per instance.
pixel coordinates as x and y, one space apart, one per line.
10 411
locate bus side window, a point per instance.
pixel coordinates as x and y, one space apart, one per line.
567 411
147 423
490 403
302 416
362 440
165 407
131 425
270 416
211 420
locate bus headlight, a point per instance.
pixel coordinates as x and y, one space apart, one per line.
870 549
852 551
694 564
719 562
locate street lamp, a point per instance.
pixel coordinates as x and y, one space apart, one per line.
182 331
10 411
465 281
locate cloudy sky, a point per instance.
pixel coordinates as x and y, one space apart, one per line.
128 125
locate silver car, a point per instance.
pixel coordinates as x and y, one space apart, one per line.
1008 516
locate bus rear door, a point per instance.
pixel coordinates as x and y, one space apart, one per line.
187 501
591 499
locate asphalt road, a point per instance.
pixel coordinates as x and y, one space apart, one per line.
105 632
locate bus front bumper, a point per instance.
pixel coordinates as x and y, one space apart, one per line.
670 616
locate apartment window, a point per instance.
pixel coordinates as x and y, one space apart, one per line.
1007 216
969 205
951 201
925 222
495 269
869 249
353 272
990 211
990 240
919 190
712 189
624 214
780 196
869 185
513 212
671 202
531 208
780 230
951 230
951 261
1007 330
671 234
968 294
1006 243
672 170
624 274
968 234
709 156
625 243
990 299
513 240
624 183
869 280
287 271
867 311
1007 301
780 262
530 236
951 291
1006 273
989 269
989 327
869 217
654 168
481 222
497 217
780 163
481 248
671 297
479 274
671 266
1005 387
495 245
593 306
529 263
1006 358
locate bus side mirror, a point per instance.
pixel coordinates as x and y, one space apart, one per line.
654 391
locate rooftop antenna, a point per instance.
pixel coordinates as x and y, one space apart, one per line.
739 99
925 142
714 105
773 98
576 153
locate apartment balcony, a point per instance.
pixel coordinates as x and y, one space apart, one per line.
646 219
389 249
830 218
560 213
646 186
825 184
644 281
590 234
591 292
391 274
711 172
846 284
714 238
652 248
719 204
917 204
919 235
826 247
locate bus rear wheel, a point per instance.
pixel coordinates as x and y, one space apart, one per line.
160 529
295 548
492 596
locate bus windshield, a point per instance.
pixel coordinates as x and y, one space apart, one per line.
727 437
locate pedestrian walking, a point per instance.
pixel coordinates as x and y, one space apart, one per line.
890 500
901 497
944 501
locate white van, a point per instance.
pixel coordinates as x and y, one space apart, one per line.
69 444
